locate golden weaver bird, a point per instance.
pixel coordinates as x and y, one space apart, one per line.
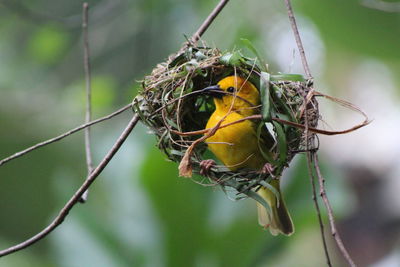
237 145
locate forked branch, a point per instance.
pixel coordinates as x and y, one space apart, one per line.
96 172
78 194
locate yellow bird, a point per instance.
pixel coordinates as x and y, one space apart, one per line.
237 145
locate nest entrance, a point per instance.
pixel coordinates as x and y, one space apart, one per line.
172 106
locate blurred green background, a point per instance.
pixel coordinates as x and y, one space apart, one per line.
139 212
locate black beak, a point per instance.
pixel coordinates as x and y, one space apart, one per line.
214 91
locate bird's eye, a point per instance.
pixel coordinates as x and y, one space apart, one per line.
230 90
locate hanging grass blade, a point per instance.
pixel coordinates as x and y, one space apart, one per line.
267 155
265 96
272 189
259 199
282 143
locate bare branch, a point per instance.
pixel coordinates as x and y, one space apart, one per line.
88 116
316 205
75 198
57 138
298 39
324 197
196 36
310 142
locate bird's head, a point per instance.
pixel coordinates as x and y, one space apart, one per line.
236 94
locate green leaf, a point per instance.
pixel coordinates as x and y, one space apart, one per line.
264 90
282 145
272 189
177 60
250 46
288 77
266 154
172 123
231 59
200 56
176 152
259 199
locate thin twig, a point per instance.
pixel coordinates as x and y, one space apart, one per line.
324 197
298 39
57 138
88 113
313 187
196 36
75 198
316 205
310 141
312 156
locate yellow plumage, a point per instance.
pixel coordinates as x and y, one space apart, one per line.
237 145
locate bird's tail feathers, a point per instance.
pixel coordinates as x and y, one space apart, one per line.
278 220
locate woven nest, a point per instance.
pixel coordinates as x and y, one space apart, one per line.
172 105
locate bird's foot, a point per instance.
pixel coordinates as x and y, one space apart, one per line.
205 166
268 169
